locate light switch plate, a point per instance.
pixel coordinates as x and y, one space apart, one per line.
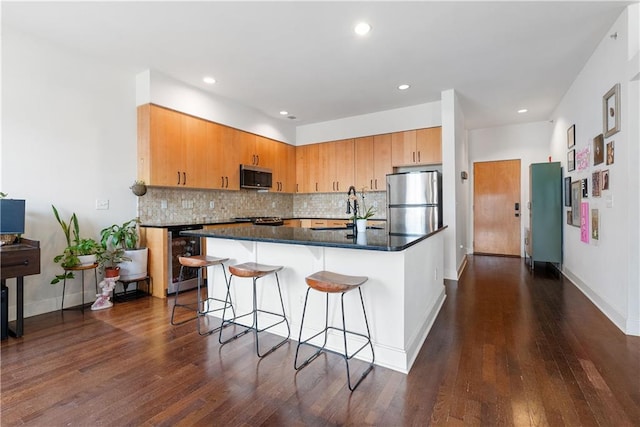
102 204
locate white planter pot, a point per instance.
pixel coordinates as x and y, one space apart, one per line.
87 259
137 267
361 225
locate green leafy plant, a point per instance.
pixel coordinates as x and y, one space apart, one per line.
123 236
364 212
110 258
76 246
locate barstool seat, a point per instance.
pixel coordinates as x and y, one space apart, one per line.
329 282
255 271
203 306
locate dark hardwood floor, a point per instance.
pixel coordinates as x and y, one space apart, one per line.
508 348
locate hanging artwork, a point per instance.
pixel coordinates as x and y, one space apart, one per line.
567 191
595 184
569 217
611 111
610 153
571 136
584 222
598 149
582 158
605 179
576 199
595 226
571 160
584 186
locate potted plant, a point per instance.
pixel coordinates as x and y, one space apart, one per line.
139 188
126 237
109 260
360 216
79 251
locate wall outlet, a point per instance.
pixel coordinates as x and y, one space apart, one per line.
163 204
102 204
212 204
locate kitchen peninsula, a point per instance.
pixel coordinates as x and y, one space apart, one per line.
403 295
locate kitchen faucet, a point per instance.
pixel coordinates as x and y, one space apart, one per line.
352 196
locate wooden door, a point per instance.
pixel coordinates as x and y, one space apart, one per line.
496 190
381 162
166 153
403 148
194 141
429 146
363 164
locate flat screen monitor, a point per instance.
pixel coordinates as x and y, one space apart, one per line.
11 216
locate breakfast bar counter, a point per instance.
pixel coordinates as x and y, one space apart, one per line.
403 295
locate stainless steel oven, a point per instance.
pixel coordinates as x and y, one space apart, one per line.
182 246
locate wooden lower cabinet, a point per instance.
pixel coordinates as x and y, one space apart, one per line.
157 240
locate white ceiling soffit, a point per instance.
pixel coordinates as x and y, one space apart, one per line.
303 57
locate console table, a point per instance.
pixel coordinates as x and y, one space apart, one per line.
19 260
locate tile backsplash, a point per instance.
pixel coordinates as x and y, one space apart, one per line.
185 206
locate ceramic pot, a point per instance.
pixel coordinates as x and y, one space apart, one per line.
361 225
87 259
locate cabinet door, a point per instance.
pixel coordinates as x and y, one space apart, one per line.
364 163
265 152
222 158
381 161
307 168
403 148
341 165
284 171
323 169
194 144
429 146
166 155
246 146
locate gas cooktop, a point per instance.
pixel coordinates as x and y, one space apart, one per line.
261 220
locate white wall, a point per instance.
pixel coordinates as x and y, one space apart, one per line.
68 138
606 270
396 120
528 142
160 89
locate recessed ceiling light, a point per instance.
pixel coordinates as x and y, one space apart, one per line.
404 87
284 113
522 110
362 28
209 80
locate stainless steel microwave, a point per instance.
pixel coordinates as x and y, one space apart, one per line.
254 177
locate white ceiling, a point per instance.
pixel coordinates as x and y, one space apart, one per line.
303 57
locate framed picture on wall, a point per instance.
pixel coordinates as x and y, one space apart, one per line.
567 191
571 136
598 149
571 160
576 199
610 153
611 111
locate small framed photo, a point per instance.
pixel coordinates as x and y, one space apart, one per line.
605 179
571 160
569 217
571 136
611 111
610 153
598 149
576 199
596 186
584 185
567 191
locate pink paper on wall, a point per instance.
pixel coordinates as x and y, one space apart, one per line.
584 222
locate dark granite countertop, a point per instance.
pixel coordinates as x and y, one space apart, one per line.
374 239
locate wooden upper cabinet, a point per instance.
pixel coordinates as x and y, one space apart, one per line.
257 150
372 162
416 147
161 150
341 165
194 147
223 158
284 171
429 145
307 168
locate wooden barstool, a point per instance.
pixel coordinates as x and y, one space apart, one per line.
332 283
255 271
203 306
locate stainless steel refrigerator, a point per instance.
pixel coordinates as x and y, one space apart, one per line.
414 202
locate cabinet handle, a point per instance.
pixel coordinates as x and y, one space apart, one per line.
316 186
418 157
297 187
178 178
376 183
414 156
226 180
222 182
184 180
338 185
371 184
